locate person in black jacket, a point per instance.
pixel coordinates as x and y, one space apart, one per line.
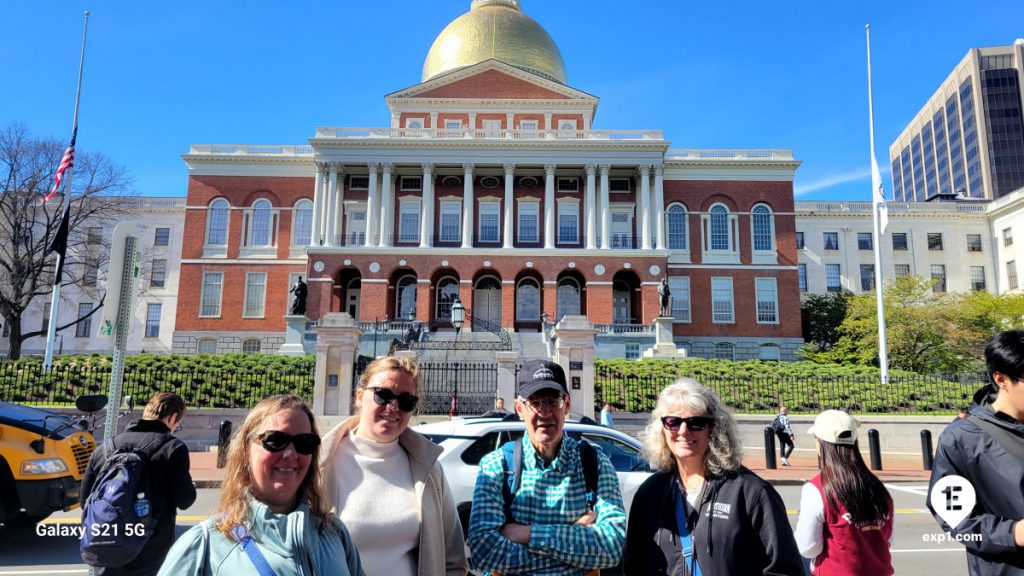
170 484
984 448
736 520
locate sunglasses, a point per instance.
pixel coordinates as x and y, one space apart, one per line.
277 441
384 396
693 423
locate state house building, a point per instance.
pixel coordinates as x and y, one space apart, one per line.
493 185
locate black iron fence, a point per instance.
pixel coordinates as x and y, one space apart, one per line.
904 394
456 388
200 388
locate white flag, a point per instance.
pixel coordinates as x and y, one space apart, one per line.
878 194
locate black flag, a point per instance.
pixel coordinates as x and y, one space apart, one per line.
59 244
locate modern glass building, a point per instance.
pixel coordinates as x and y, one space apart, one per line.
968 139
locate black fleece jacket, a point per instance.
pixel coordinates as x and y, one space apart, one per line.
742 529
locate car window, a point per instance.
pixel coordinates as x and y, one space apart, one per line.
624 457
488 443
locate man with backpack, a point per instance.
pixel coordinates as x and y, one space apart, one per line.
547 503
131 492
784 431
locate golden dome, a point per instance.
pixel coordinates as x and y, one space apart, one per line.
495 29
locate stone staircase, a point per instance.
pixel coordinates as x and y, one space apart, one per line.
529 345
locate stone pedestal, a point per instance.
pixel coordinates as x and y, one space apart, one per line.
664 346
507 377
574 351
295 331
337 344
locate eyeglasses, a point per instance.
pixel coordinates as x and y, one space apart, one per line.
178 428
384 396
550 404
277 441
693 423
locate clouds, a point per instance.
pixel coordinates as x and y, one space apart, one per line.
832 180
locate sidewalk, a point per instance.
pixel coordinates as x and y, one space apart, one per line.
206 474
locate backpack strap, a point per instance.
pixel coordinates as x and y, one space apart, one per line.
259 561
591 471
512 466
1002 437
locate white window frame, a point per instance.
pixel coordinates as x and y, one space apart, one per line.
201 341
896 270
766 298
762 255
247 344
839 270
611 186
210 286
529 125
84 328
559 313
575 216
415 123
443 306
352 179
729 255
304 206
680 288
1011 275
212 250
533 206
722 286
492 128
252 249
540 300
355 237
568 184
149 319
490 208
632 351
153 273
451 208
623 238
723 347
255 289
411 186
668 227
156 237
801 275
1008 236
409 207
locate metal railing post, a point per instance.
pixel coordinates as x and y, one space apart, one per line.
926 449
874 446
769 448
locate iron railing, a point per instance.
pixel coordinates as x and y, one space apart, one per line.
455 388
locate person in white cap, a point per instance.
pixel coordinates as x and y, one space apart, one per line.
846 514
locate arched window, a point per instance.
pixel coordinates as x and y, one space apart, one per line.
260 233
251 346
528 301
207 346
302 223
447 292
217 223
769 352
725 351
677 227
763 228
568 298
405 298
719 235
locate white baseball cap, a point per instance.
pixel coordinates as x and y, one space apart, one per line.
835 427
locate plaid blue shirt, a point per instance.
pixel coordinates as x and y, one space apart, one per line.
550 498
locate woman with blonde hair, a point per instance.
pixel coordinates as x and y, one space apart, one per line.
703 512
273 515
385 483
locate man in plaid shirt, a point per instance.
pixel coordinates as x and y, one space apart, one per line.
551 531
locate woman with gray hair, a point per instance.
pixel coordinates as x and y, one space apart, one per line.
703 512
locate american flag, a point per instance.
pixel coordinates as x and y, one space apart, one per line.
66 162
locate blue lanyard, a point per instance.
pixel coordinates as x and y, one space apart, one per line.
253 551
685 540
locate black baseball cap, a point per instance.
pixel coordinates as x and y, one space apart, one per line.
537 375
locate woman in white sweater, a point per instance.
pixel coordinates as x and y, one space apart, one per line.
386 484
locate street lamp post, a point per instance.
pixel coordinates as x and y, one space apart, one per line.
458 321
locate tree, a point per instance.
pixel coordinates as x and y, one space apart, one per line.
27 223
820 317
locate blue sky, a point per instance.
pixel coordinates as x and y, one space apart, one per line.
162 75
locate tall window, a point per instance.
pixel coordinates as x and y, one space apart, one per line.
939 276
259 235
255 294
799 240
528 215
833 278
355 234
721 301
528 301
677 229
302 223
977 278
409 222
209 305
162 237
84 328
158 273
568 298
867 277
447 292
899 240
94 236
451 221
831 240
902 270
490 222
153 320
1011 274
974 242
568 223
935 240
680 287
405 298
1007 236
801 270
864 241
725 351
767 300
764 234
719 237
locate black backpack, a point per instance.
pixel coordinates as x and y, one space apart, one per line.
777 425
512 465
113 532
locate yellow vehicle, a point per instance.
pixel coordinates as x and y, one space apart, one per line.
43 456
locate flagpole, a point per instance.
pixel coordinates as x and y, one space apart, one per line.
876 213
51 328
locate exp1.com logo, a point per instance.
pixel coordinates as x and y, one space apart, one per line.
952 498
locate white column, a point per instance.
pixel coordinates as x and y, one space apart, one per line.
549 130
659 207
606 212
549 206
433 123
387 203
427 207
372 206
510 211
644 206
317 233
338 205
591 209
332 207
509 119
467 206
472 125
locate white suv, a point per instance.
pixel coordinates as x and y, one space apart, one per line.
467 440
